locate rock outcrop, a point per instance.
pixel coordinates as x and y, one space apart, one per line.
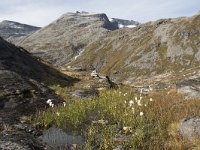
190 128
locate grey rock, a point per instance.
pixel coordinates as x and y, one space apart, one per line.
190 128
18 140
5 145
190 86
56 138
107 83
85 93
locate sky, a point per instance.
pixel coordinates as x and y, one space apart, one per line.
42 12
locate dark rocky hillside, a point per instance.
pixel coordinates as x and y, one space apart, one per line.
10 30
23 91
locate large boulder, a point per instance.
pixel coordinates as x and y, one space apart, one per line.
190 128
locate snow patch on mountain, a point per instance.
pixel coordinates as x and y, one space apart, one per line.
122 23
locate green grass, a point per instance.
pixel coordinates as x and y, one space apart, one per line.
102 119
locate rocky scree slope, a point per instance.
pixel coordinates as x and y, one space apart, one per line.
64 39
162 49
10 30
22 93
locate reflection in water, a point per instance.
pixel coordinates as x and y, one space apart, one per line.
57 139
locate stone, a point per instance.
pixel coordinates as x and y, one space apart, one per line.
190 128
94 74
9 145
85 93
56 138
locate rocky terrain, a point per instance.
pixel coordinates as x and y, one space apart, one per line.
23 91
11 30
164 50
92 55
65 39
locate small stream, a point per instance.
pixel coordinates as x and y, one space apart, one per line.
55 138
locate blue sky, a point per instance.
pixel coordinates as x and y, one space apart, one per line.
42 12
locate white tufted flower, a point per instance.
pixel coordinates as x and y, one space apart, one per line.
139 103
141 113
131 102
48 101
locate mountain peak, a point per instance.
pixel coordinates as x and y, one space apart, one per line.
9 29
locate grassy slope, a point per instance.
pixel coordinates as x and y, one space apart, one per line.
151 49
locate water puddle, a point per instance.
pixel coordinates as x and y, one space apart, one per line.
55 138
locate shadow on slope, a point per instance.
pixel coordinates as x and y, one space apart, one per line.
24 82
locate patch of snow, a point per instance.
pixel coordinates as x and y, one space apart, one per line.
131 26
110 19
16 33
17 27
128 26
120 25
79 54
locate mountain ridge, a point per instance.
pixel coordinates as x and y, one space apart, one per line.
69 34
12 29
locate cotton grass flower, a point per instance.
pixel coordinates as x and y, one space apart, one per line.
139 103
64 104
131 103
57 113
125 94
141 113
51 105
136 99
151 99
49 101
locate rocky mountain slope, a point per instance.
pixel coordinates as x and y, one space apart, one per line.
162 48
66 38
10 29
166 50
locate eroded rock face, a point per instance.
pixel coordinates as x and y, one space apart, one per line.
190 128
